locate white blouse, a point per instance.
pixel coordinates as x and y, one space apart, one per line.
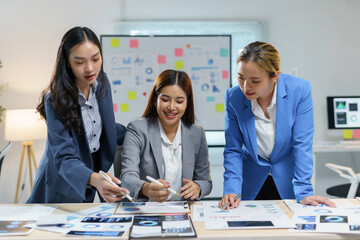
172 156
265 127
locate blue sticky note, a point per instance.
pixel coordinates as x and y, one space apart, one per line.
210 99
224 52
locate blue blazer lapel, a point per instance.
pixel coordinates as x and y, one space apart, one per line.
250 127
282 109
155 142
246 119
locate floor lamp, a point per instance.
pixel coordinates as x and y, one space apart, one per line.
24 125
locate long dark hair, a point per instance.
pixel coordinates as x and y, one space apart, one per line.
168 78
63 88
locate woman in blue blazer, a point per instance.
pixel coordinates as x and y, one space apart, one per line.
82 133
269 131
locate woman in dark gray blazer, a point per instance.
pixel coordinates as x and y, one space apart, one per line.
166 145
82 133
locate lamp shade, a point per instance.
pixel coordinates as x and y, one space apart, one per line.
23 125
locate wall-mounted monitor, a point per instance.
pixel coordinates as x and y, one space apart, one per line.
343 112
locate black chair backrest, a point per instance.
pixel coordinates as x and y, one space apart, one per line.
3 154
117 161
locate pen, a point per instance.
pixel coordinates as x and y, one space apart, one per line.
107 178
156 181
236 198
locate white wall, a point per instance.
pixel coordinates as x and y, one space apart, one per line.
319 37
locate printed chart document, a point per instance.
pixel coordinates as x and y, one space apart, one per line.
90 226
248 215
103 210
10 228
159 226
327 220
198 213
152 207
71 221
95 221
24 213
340 203
101 226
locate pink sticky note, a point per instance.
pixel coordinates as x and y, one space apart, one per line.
225 74
179 52
134 43
115 107
161 59
356 134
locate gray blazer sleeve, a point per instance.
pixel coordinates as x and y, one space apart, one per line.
132 151
202 168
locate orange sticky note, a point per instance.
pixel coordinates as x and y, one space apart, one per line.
134 43
115 107
161 59
225 74
179 52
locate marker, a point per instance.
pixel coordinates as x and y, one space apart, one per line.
157 182
107 178
236 198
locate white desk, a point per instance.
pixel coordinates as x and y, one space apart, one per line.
202 233
332 147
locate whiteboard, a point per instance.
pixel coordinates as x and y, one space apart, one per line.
132 64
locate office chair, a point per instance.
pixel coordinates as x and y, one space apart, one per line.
349 190
3 154
117 161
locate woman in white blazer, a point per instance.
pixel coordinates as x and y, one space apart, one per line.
166 145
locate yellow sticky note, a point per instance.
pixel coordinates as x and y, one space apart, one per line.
124 107
179 65
115 42
347 134
219 107
132 95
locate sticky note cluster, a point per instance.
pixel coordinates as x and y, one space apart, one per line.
351 134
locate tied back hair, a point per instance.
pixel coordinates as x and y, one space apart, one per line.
63 89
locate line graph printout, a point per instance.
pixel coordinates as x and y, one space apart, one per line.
249 215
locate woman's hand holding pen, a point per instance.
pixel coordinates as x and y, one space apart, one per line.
190 190
108 191
229 198
156 192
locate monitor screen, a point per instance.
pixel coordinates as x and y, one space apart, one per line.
343 112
